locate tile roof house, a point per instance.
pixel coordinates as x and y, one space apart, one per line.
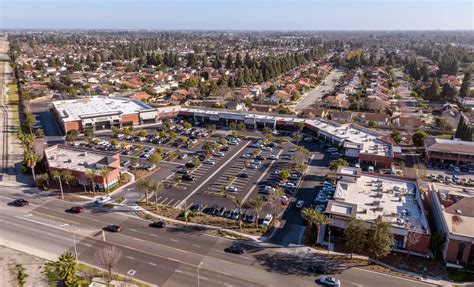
280 97
378 119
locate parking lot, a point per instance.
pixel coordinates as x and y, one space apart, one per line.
244 168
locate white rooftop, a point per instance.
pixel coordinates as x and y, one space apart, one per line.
97 106
72 159
368 139
394 199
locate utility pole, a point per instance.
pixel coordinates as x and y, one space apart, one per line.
329 240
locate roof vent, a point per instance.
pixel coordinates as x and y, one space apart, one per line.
458 211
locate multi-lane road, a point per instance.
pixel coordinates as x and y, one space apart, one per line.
163 257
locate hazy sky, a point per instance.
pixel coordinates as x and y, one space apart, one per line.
240 14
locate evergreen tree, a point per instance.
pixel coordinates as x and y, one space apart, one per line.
433 92
448 92
465 86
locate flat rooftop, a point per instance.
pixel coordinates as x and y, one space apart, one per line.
395 200
368 140
459 213
75 159
97 106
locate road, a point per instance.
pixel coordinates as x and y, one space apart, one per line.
293 226
315 94
163 257
4 113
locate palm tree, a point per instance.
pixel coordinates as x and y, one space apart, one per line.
30 158
57 175
63 269
314 217
104 172
91 174
156 188
144 184
257 204
238 202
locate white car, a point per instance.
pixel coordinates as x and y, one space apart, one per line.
208 161
299 203
269 188
330 281
289 185
231 188
267 148
183 156
268 219
102 199
151 167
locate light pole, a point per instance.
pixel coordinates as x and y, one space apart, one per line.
74 242
329 239
199 266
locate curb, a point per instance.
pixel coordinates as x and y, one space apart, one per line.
181 223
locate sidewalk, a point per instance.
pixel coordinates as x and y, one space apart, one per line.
415 276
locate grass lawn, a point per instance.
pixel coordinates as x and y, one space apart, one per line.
14 102
91 272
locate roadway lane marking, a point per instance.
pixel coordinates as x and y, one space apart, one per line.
203 278
130 257
212 175
195 245
154 235
87 244
179 271
152 264
393 276
133 230
174 240
52 216
260 178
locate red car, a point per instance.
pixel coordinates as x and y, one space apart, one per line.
76 209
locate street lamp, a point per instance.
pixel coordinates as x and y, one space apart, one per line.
199 266
74 242
329 239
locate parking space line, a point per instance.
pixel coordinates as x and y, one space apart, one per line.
169 203
176 203
163 200
260 178
213 174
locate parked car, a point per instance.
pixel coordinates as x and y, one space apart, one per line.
243 175
190 165
151 167
219 154
267 219
208 161
221 211
188 177
235 214
113 228
231 188
299 203
183 155
272 157
196 207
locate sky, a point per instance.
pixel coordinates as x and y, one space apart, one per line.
239 14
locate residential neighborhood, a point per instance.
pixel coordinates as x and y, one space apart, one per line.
139 155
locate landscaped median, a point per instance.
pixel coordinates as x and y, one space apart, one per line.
213 225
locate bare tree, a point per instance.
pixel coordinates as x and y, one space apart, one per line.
412 238
108 258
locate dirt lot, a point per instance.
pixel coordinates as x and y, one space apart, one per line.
9 258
